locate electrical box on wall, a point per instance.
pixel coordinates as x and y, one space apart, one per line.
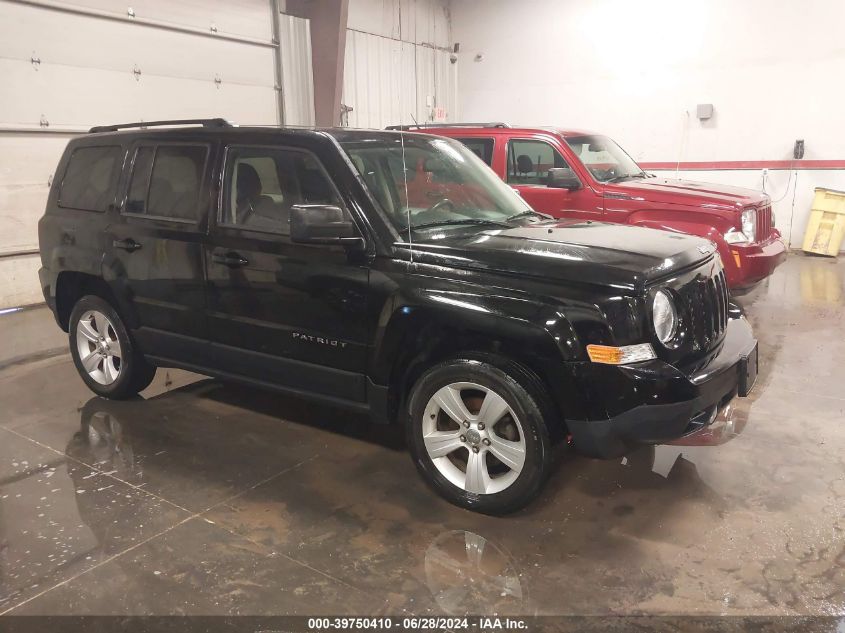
704 111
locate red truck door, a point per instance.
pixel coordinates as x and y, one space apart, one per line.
528 161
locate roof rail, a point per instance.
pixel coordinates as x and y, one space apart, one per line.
142 124
439 125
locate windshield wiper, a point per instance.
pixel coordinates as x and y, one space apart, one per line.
641 174
525 213
459 222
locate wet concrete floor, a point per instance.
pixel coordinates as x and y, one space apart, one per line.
208 498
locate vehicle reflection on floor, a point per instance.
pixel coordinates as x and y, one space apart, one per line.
467 574
465 571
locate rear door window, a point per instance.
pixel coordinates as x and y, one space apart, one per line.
90 179
481 147
166 181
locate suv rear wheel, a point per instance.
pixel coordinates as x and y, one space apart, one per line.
478 435
103 352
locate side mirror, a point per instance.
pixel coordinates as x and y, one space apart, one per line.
562 178
323 224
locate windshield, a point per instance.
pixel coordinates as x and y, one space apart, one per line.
604 158
433 182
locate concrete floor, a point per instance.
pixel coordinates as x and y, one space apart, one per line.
207 498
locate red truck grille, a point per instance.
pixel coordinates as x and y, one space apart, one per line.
764 223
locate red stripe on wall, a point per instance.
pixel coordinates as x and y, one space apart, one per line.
747 164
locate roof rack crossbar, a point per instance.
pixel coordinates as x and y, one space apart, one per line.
142 124
441 125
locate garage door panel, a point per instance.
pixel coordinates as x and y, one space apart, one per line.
246 18
85 78
19 281
21 206
27 158
241 17
82 97
76 40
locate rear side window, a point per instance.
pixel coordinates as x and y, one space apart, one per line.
481 147
90 178
166 181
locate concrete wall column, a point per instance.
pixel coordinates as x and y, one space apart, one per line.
328 47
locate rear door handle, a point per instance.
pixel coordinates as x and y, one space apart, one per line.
232 260
127 245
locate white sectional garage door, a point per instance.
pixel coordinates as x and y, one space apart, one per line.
66 67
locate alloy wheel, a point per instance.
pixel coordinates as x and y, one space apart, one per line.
474 438
98 347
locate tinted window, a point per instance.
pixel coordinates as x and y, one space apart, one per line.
481 147
261 186
166 181
90 177
136 202
530 160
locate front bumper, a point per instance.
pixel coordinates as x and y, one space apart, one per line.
654 402
747 265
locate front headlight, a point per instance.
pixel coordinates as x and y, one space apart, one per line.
749 224
665 316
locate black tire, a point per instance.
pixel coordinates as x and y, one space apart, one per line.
513 384
134 373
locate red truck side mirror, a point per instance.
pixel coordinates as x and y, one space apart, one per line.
562 178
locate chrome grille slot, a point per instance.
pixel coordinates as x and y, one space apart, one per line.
705 301
764 223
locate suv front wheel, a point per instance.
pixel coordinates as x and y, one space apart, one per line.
478 434
103 352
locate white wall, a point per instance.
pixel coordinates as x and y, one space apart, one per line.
398 65
774 71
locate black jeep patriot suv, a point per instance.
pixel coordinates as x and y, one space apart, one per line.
390 273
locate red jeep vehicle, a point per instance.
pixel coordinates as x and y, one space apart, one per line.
572 174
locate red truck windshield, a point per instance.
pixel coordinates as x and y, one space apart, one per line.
431 181
604 158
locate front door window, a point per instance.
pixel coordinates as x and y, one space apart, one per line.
529 161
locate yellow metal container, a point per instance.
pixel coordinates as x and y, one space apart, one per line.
827 223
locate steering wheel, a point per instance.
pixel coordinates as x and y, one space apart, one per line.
610 172
440 204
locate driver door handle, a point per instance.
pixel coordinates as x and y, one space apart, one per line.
232 260
128 244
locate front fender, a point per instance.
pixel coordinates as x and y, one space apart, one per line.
413 321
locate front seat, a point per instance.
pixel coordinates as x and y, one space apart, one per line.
248 191
524 165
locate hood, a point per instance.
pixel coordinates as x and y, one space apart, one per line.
578 252
688 192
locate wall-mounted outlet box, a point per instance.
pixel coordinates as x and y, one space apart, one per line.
704 111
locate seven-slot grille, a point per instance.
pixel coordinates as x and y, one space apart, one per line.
764 222
706 306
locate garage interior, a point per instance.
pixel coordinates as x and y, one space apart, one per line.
207 498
